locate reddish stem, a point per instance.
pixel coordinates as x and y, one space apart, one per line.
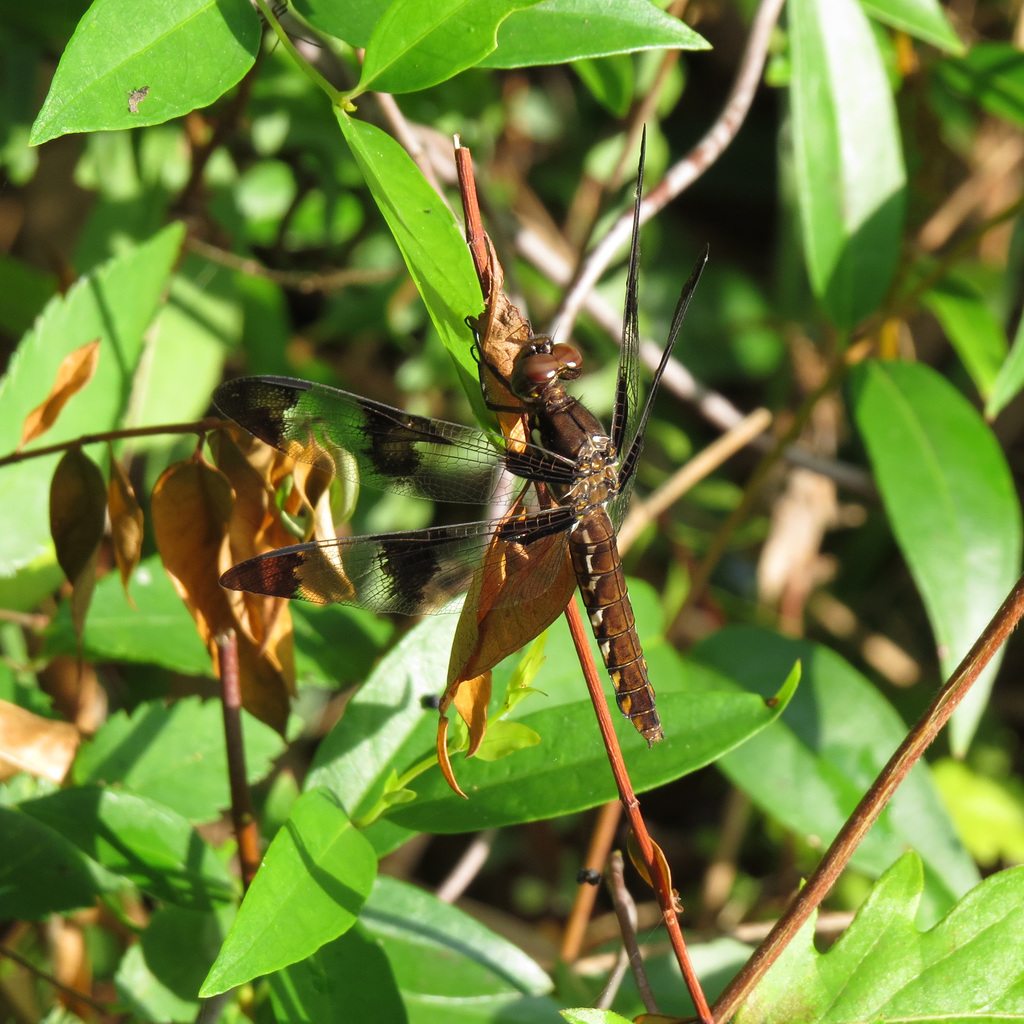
242 816
662 886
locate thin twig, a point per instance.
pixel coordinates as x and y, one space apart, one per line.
625 912
601 840
713 406
700 466
198 427
242 815
662 886
301 280
686 171
72 993
468 866
871 805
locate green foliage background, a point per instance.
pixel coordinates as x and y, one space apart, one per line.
263 209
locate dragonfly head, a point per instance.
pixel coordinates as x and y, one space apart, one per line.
542 363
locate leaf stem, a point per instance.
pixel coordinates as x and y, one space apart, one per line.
871 805
310 72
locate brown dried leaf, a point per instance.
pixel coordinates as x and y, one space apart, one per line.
191 510
633 848
78 509
443 760
126 523
75 371
43 747
255 527
471 700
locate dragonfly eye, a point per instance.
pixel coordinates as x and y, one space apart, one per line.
570 362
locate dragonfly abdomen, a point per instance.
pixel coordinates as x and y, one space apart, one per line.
595 559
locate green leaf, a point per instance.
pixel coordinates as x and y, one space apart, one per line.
810 769
157 631
159 976
951 504
989 813
992 75
849 165
352 21
1010 378
557 31
429 239
115 303
972 329
416 45
175 755
439 953
967 968
386 726
43 873
125 55
149 844
590 1015
568 770
923 19
310 889
610 81
332 984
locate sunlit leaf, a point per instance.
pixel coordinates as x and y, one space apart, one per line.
1010 378
557 31
75 371
429 239
883 969
416 45
310 888
140 839
115 303
972 329
126 55
951 504
923 19
848 158
175 755
813 766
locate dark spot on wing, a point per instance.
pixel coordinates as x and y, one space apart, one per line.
409 572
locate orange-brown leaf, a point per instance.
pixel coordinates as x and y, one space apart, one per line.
191 510
265 686
125 523
471 700
497 618
443 760
44 747
633 848
75 371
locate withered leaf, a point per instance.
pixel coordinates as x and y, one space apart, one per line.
75 371
78 508
635 855
44 747
191 510
126 522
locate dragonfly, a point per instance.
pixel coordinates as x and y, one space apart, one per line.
576 478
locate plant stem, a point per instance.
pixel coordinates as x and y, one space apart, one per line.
307 69
197 427
908 753
662 885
